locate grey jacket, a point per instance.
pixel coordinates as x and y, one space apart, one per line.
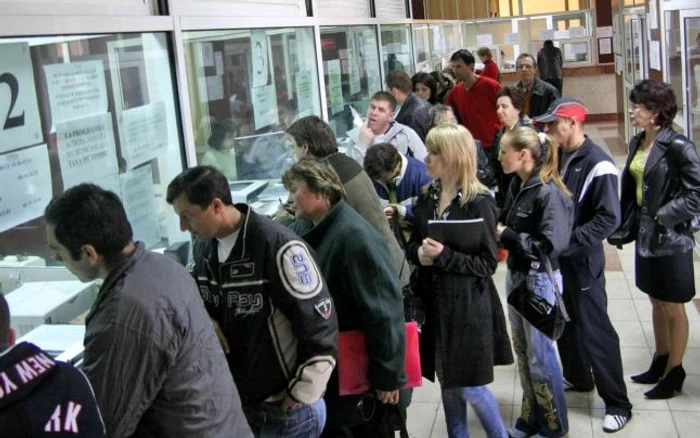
404 138
153 358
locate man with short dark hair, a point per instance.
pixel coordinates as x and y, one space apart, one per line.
380 127
538 94
550 63
150 350
589 341
270 305
473 99
39 396
413 111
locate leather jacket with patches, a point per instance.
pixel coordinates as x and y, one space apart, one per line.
274 308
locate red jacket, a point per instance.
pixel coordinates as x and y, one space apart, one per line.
491 70
476 108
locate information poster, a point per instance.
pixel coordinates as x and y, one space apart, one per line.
335 86
86 150
353 65
304 93
145 133
215 88
207 54
484 40
604 46
76 90
219 60
20 125
258 42
28 174
265 106
512 38
547 34
139 198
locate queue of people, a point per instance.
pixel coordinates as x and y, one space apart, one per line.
246 343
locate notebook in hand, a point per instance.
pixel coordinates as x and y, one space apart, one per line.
462 235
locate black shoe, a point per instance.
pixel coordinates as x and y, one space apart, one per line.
568 386
655 372
669 385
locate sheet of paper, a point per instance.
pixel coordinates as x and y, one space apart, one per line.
354 65
604 46
144 131
76 90
335 86
27 173
654 14
19 112
219 61
265 106
577 32
139 198
604 32
304 93
207 54
655 55
86 149
547 34
484 40
215 88
258 43
512 38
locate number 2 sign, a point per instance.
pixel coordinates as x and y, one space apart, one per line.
19 114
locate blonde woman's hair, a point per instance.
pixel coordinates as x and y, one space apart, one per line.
485 52
458 150
543 148
319 177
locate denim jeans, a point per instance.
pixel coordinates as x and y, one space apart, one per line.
269 420
544 406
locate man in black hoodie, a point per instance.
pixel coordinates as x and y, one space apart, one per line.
39 396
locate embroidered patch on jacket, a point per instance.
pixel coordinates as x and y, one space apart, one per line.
324 308
298 270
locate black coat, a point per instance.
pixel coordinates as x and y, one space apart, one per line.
671 186
461 300
543 94
415 113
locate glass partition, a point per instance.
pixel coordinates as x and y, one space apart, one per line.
453 39
692 44
246 87
94 108
570 32
421 47
351 69
396 48
674 63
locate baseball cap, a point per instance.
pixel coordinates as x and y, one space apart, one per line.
565 108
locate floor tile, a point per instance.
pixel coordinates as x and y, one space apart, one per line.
687 423
429 392
622 310
420 419
580 423
689 398
631 334
617 289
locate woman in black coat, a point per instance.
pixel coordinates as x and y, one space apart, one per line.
659 199
465 334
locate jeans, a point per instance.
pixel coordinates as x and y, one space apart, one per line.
544 406
269 420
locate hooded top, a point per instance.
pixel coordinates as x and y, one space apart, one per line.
41 397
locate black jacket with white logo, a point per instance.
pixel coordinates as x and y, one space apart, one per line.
40 397
274 308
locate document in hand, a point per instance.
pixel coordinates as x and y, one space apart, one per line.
464 235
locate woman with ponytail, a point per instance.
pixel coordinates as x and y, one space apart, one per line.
535 223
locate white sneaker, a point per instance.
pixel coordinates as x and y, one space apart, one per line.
613 423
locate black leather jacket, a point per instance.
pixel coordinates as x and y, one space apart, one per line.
671 197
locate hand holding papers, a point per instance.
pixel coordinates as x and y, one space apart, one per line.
464 235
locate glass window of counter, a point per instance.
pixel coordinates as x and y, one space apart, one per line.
396 48
421 46
692 45
77 109
246 87
673 61
351 70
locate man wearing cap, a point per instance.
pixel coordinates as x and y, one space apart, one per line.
589 341
538 93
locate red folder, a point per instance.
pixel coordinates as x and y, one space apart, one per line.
353 361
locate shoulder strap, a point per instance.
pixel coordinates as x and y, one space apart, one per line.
544 259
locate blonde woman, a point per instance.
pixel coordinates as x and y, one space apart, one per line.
465 334
536 222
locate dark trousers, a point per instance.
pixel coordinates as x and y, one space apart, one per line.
589 341
558 83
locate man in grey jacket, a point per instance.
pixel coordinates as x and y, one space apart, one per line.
151 353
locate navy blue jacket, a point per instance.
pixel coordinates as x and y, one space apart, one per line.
408 185
591 176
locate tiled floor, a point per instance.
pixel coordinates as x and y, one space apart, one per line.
631 315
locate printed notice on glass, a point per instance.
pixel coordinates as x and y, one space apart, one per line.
512 38
86 149
215 88
145 131
577 32
207 54
219 61
335 86
604 46
265 106
484 40
655 55
20 125
304 90
139 198
354 65
76 90
258 43
25 176
604 32
547 34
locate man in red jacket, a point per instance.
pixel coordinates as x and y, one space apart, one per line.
474 99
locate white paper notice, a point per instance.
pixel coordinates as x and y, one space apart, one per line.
577 32
547 34
604 32
219 60
484 40
304 92
354 65
258 43
145 133
512 38
86 149
654 14
25 176
561 34
604 46
207 54
20 125
335 86
139 198
76 90
265 106
655 55
215 88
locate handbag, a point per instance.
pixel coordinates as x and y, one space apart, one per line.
627 231
353 361
386 419
549 319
